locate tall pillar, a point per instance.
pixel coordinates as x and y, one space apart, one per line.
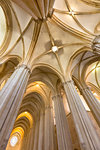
36 134
27 140
30 139
63 134
24 142
10 99
93 103
49 136
53 130
41 132
87 135
27 143
96 45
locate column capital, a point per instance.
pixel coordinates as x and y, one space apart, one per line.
70 81
96 45
84 88
42 113
55 96
23 66
47 107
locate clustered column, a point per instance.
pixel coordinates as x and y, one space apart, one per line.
36 134
44 131
49 130
24 142
93 103
41 131
28 140
10 99
87 135
63 135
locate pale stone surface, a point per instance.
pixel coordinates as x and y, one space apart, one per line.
86 133
63 134
12 95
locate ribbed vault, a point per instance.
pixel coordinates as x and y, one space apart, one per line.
39 9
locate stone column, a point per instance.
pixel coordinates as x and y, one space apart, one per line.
49 135
36 134
10 99
27 140
53 130
63 134
30 139
96 45
41 132
92 102
24 143
87 135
